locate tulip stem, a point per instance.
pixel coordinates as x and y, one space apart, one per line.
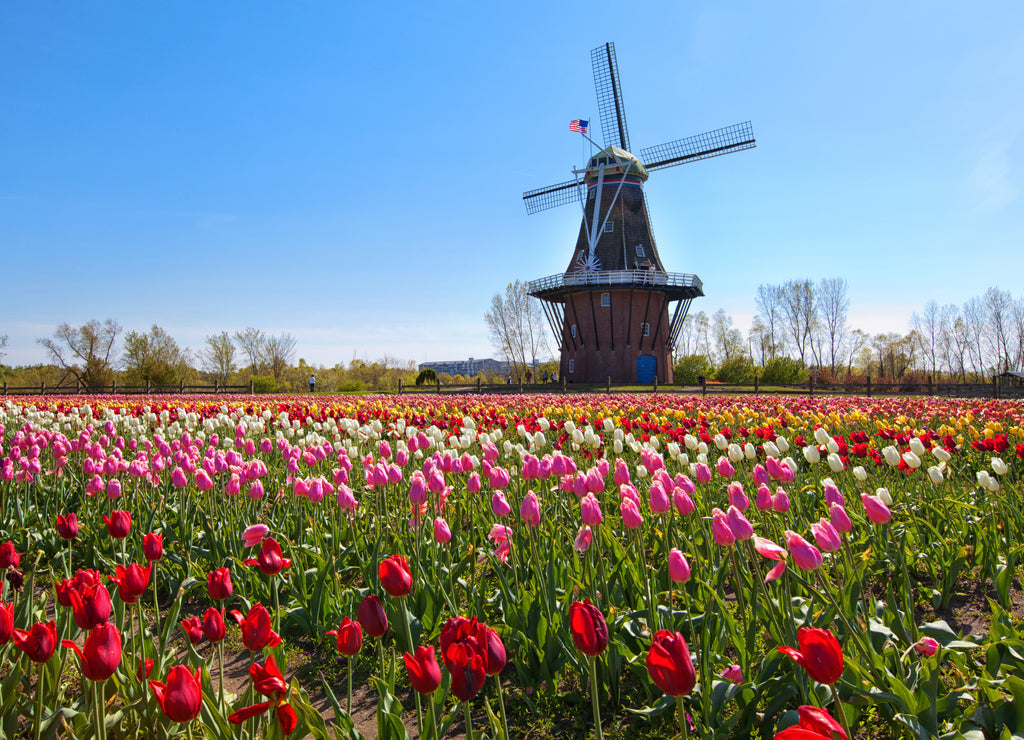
39 701
681 711
469 721
839 710
594 702
501 705
433 718
348 705
101 723
156 620
220 663
412 650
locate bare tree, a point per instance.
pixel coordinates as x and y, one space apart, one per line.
798 312
728 341
859 342
3 345
252 342
759 341
278 352
833 304
218 356
88 352
1018 324
974 325
515 323
999 310
768 302
702 334
928 329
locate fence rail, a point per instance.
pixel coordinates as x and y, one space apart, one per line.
128 390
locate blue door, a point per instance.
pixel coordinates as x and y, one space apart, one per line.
646 369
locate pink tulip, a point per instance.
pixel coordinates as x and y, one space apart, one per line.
741 528
473 483
832 496
178 478
767 548
684 482
761 477
590 510
442 532
678 568
530 510
927 646
417 488
254 534
826 536
702 472
114 488
621 472
876 510
682 501
500 505
733 674
631 518
595 481
256 490
737 497
839 519
780 501
763 500
203 480
805 555
658 499
583 539
725 468
234 485
721 532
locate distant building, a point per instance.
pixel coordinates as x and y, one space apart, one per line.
468 367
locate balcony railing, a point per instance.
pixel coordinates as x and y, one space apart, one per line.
645 279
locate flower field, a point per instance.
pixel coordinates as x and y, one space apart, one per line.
617 565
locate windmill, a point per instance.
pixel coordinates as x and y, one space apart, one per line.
609 310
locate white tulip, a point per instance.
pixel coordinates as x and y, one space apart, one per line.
617 446
782 444
655 443
673 450
911 459
507 447
684 459
609 426
577 437
641 471
771 450
821 435
993 485
749 451
570 426
983 478
999 467
917 446
891 455
690 441
721 442
618 434
935 475
883 493
702 448
521 430
941 454
539 441
860 473
702 458
735 452
811 454
835 462
832 446
790 463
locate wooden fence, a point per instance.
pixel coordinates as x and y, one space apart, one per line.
128 390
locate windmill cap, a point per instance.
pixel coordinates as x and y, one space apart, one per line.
616 161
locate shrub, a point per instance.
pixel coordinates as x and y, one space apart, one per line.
263 384
351 386
783 371
736 370
426 376
687 369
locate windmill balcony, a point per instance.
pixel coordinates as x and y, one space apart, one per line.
676 285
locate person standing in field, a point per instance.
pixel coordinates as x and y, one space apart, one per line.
312 383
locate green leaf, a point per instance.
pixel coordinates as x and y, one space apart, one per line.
664 704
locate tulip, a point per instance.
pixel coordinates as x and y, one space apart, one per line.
6 622
193 627
372 617
812 455
119 524
678 568
101 654
113 488
590 510
424 672
466 666
442 532
876 510
737 497
500 505
90 604
733 674
780 501
530 510
349 636
835 463
819 654
725 468
257 631
218 584
721 532
658 499
805 555
669 664
182 696
814 724
682 501
702 473
999 466
631 518
213 625
588 627
826 536
270 559
839 519
395 575
763 500
891 455
941 454
131 582
37 642
153 546
927 646
772 551
935 475
860 473
67 526
493 650
583 539
741 528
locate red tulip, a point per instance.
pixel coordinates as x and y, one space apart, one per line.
218 584
350 637
819 654
466 666
267 678
90 604
669 664
153 546
395 575
182 696
815 724
67 526
372 617
119 524
213 625
6 622
9 557
424 672
131 582
270 559
37 642
589 630
102 652
257 630
493 651
193 627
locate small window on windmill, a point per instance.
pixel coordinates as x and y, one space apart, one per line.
609 227
590 195
572 365
640 251
645 330
572 331
606 300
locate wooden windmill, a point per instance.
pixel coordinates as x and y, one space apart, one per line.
610 309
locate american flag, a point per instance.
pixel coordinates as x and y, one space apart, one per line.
579 126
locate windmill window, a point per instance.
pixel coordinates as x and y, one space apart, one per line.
609 227
606 300
572 331
645 330
572 365
640 251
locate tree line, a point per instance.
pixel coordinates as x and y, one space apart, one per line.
98 354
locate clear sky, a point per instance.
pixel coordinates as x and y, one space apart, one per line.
352 173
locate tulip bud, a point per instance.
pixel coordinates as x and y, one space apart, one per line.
891 455
811 454
935 475
999 467
860 473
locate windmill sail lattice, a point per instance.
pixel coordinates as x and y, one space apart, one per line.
615 312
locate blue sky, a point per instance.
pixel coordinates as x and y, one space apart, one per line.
353 174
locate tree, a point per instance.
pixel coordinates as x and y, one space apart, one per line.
3 345
251 342
728 341
515 323
799 314
833 305
759 341
278 352
768 302
218 356
999 308
689 368
88 352
153 358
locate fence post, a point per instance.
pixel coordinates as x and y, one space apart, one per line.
703 386
113 387
810 385
869 386
399 386
995 386
655 383
438 385
252 391
608 386
563 384
931 386
5 387
181 386
520 384
478 385
755 383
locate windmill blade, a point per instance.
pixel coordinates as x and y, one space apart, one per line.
541 199
609 96
703 146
